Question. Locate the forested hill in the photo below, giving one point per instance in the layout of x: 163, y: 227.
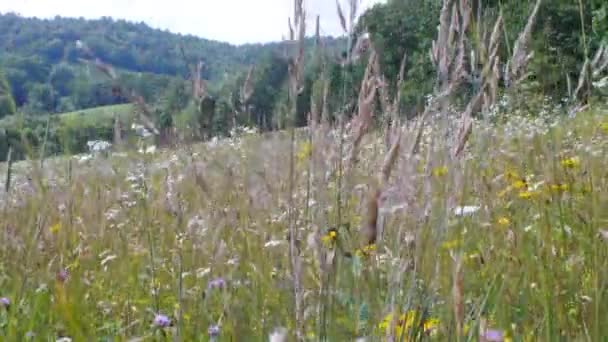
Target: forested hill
x: 40, y: 58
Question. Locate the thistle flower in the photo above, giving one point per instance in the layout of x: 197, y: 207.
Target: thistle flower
x: 493, y: 335
x: 218, y: 283
x: 63, y: 275
x: 214, y: 331
x: 5, y: 302
x: 161, y: 321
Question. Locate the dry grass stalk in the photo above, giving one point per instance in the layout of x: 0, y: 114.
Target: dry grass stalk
x: 144, y: 112
x: 458, y: 294
x: 521, y: 55
x: 341, y: 16
x: 247, y: 88
x: 295, y: 79
x: 590, y: 73
x: 363, y: 120
x: 117, y: 131
x: 487, y: 92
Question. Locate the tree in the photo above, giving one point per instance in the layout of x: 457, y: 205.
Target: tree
x: 41, y: 98
x: 7, y: 104
x: 62, y: 79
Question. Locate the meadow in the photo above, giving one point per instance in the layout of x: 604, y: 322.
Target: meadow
x: 193, y: 244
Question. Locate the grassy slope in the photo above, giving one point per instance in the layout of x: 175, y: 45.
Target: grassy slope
x: 533, y: 257
x: 102, y: 115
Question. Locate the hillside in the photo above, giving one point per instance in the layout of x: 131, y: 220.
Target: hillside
x: 40, y: 58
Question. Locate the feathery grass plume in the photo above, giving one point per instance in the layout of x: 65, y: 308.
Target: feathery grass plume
x: 363, y: 120
x: 486, y: 93
x: 9, y: 171
x: 246, y: 93
x: 341, y: 16
x: 295, y: 69
x: 518, y: 63
x: 117, y: 131
x: 590, y: 72
x: 144, y: 112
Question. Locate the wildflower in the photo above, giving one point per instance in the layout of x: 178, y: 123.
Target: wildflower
x: 408, y: 321
x: 504, y: 221
x: 520, y: 184
x: 305, y: 151
x: 571, y: 163
x: 278, y: 335
x: 452, y: 244
x: 330, y: 238
x: 214, y: 331
x: 511, y: 175
x: 218, y: 283
x: 525, y: 194
x: 466, y: 210
x: 273, y: 243
x: 63, y: 275
x: 440, y: 171
x: 431, y: 325
x: 604, y: 127
x: 493, y: 335
x: 559, y: 187
x: 604, y: 235
x: 54, y: 229
x: 5, y: 302
x: 161, y: 321
x: 366, y: 250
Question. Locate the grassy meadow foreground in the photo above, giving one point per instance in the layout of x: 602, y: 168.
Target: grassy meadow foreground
x: 193, y: 244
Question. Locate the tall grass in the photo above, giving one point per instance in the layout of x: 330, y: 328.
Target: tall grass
x: 462, y: 229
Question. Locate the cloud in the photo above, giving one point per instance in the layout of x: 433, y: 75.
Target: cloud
x: 235, y: 21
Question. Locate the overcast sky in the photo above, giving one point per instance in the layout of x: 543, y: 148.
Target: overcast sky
x: 234, y: 21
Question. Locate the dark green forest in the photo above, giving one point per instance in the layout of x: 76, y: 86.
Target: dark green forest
x: 44, y: 68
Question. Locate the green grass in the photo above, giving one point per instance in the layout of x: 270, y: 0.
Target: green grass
x: 146, y: 234
x: 103, y: 115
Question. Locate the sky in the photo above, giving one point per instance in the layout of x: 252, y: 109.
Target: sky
x: 234, y: 21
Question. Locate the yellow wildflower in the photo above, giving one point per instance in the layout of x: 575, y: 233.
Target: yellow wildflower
x: 511, y: 176
x: 560, y: 187
x: 520, y: 184
x: 504, y: 221
x: 366, y: 250
x: 330, y: 238
x: 452, y: 244
x: 571, y: 163
x: 431, y: 325
x: 305, y: 151
x: 407, y: 321
x: 604, y: 127
x: 55, y: 228
x: 440, y: 171
x: 525, y: 194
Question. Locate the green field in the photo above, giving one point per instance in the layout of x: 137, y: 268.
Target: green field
x: 198, y: 237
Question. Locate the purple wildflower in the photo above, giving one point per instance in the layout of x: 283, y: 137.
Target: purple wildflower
x: 5, y: 302
x: 493, y: 335
x: 162, y: 321
x: 214, y: 331
x: 62, y: 275
x: 218, y: 283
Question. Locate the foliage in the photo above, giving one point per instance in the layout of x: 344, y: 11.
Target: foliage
x: 7, y: 104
